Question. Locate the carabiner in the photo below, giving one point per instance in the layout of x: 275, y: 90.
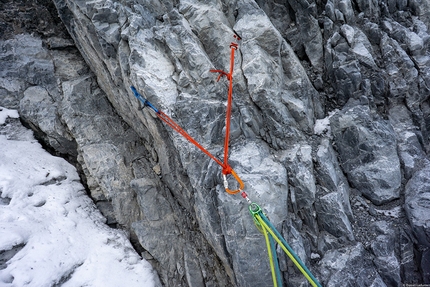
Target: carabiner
x: 241, y: 184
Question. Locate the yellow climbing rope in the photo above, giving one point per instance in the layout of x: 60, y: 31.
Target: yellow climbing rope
x: 263, y: 224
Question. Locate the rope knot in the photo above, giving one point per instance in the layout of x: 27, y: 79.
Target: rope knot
x: 226, y: 170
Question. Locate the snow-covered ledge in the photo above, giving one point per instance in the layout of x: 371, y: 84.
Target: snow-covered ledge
x: 50, y: 231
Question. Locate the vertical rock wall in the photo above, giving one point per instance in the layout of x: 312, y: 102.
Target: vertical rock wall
x: 330, y: 130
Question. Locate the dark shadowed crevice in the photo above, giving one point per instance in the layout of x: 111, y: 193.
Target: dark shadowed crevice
x: 6, y: 255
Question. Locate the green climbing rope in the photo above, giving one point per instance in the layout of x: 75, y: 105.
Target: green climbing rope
x: 263, y: 224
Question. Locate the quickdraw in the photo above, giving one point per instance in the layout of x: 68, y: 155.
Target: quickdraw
x: 226, y: 168
x: 261, y: 222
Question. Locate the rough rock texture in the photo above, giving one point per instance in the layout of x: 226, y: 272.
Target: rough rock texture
x: 337, y: 268
x: 367, y: 151
x: 330, y: 128
x: 417, y: 200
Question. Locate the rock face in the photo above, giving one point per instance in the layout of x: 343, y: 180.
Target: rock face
x: 417, y: 198
x: 368, y: 154
x: 329, y: 130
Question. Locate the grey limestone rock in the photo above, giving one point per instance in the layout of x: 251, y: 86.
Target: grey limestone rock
x: 367, y: 149
x: 332, y: 214
x: 383, y: 247
x: 425, y: 266
x: 330, y: 176
x: 38, y: 108
x: 409, y: 144
x: 359, y: 68
x: 416, y: 203
x: 302, y: 182
x: 340, y: 268
x: 25, y: 63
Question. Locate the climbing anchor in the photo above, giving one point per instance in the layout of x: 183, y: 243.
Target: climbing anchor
x: 260, y: 220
